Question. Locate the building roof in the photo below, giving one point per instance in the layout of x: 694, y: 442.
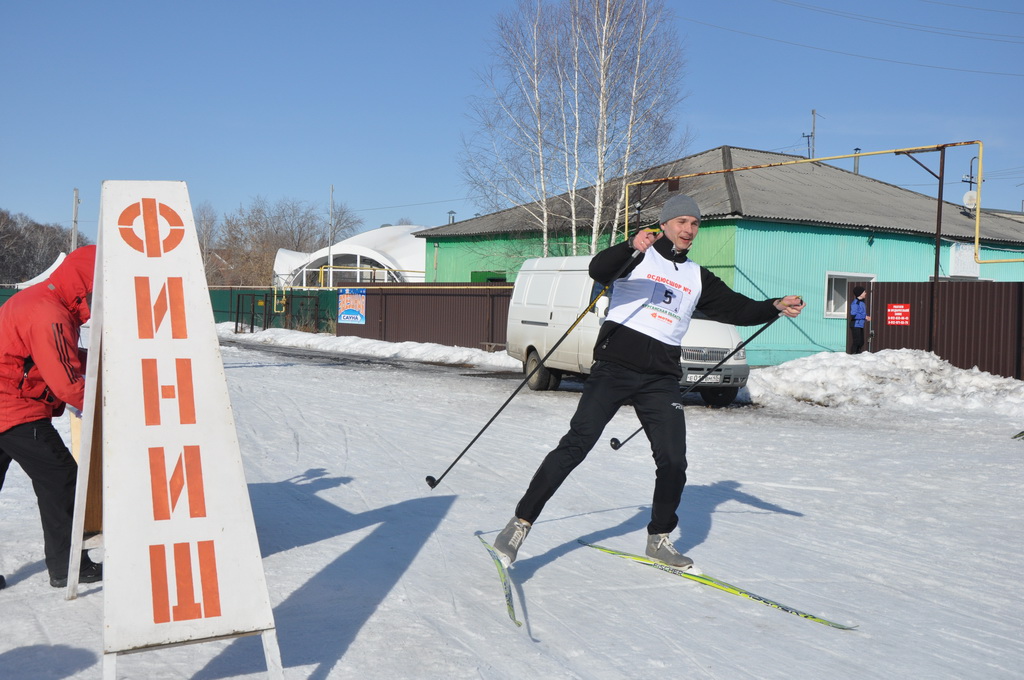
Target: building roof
x: 804, y: 193
x: 391, y: 246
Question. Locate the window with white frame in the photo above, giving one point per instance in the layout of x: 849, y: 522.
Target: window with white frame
x: 836, y: 285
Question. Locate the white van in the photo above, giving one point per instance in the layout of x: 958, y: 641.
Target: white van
x: 549, y: 295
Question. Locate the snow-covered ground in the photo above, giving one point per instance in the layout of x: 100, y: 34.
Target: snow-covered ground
x: 881, y: 490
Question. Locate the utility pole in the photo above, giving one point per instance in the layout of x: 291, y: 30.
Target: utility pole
x: 74, y: 222
x: 811, y: 137
x: 814, y: 127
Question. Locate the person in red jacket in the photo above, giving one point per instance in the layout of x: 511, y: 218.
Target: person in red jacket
x: 41, y: 370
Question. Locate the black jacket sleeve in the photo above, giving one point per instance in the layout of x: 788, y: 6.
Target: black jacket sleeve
x: 606, y: 263
x: 721, y: 303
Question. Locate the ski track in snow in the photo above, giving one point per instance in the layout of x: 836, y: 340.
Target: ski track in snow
x: 903, y: 520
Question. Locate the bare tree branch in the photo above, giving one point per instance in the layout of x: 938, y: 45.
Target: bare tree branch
x: 249, y: 239
x: 27, y: 247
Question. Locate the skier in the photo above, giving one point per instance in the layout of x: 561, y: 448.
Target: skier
x: 41, y: 370
x: 636, y: 359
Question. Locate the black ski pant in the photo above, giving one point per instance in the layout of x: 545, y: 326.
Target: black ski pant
x: 656, y: 400
x: 38, y: 448
x: 858, y: 340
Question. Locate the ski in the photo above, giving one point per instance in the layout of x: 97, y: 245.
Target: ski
x: 715, y: 583
x: 506, y: 582
x: 1019, y: 435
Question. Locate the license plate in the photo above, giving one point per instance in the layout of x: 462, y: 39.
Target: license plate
x: 694, y: 377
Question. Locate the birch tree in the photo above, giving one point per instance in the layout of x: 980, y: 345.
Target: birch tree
x: 581, y: 97
x: 207, y: 228
x: 507, y: 164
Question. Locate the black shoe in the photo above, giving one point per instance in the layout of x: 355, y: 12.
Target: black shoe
x: 3, y: 582
x: 89, y: 573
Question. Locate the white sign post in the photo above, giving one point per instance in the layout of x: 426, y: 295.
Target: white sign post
x: 181, y: 557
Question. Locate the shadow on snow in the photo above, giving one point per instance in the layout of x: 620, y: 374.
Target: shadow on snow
x: 699, y: 504
x: 318, y: 621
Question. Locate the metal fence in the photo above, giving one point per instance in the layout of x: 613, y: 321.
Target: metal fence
x: 967, y: 323
x: 459, y: 314
x: 298, y: 311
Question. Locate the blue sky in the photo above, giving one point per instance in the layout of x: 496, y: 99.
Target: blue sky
x: 282, y: 100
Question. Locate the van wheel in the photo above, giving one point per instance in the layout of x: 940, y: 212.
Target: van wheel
x: 555, y: 380
x: 543, y: 379
x: 719, y: 396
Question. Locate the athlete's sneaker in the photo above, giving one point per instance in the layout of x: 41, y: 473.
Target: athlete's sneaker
x: 511, y: 537
x: 661, y: 549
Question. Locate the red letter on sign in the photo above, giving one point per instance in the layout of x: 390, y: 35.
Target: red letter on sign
x: 187, y: 607
x: 188, y: 472
x: 151, y: 315
x: 153, y: 392
x: 158, y: 581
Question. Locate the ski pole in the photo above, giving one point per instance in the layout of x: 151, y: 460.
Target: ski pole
x: 434, y: 481
x: 616, y: 444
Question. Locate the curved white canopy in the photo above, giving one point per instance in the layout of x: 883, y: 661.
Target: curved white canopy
x: 393, y: 249
x: 45, y: 275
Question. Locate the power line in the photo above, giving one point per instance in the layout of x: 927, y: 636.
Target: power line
x: 413, y: 205
x: 859, y: 56
x: 799, y: 143
x: 940, y: 30
x: 1007, y: 173
x: 976, y: 9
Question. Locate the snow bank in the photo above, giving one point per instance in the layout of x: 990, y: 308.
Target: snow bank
x: 890, y: 378
x: 886, y: 379
x: 409, y: 351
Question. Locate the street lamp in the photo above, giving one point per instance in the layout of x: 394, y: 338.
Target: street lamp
x: 970, y: 178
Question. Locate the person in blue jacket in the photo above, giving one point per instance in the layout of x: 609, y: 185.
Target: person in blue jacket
x: 858, y: 315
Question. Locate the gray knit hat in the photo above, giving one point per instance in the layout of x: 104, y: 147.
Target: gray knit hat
x: 679, y: 205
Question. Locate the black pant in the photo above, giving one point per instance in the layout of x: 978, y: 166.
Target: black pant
x: 656, y: 399
x: 858, y: 340
x: 41, y: 453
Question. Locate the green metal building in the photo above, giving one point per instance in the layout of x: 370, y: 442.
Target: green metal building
x: 803, y: 228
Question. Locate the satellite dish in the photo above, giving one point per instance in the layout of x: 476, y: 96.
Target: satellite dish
x: 971, y: 200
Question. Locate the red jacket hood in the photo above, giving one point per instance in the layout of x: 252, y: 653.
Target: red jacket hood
x: 72, y: 281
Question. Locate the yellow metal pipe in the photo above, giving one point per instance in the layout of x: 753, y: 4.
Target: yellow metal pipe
x: 977, y: 220
x: 322, y: 268
x: 914, y: 149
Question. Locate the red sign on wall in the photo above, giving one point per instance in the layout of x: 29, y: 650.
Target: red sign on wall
x: 897, y: 315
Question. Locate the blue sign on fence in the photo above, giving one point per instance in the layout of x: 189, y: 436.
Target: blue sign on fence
x: 352, y: 305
